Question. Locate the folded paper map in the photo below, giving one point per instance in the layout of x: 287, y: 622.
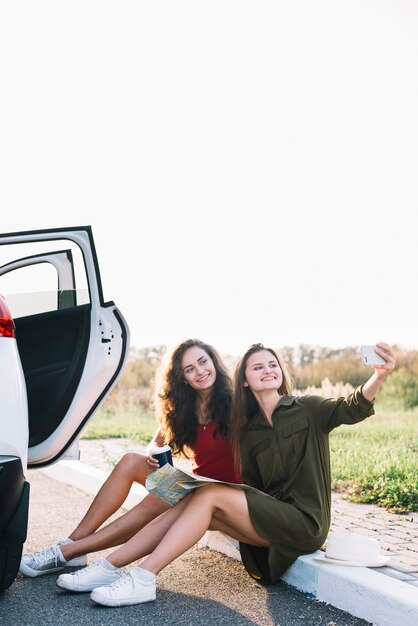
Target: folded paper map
x: 172, y: 484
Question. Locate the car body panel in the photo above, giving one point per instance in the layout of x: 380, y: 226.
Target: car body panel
x: 14, y: 434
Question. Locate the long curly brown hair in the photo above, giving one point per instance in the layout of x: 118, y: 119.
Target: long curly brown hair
x: 175, y: 402
x: 244, y: 404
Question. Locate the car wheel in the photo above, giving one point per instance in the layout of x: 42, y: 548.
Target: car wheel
x: 10, y: 557
x: 14, y: 522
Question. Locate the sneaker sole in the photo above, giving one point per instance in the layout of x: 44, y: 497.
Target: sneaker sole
x: 116, y: 603
x: 82, y: 588
x: 33, y: 573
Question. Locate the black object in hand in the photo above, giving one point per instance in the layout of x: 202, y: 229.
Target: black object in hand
x: 163, y: 455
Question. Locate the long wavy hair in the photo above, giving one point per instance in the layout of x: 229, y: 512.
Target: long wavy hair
x: 175, y: 402
x: 244, y: 404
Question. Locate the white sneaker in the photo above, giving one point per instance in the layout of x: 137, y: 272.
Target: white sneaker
x: 49, y: 560
x: 129, y: 589
x: 87, y: 579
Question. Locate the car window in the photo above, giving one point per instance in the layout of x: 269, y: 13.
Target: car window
x: 42, y: 277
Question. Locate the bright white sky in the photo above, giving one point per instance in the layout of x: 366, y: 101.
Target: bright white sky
x: 249, y: 168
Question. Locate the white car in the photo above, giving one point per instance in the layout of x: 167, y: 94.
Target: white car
x: 62, y: 349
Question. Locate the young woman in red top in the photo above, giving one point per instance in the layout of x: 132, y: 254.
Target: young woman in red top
x: 193, y: 411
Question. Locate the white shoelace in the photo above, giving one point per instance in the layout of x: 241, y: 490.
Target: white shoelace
x: 43, y: 556
x: 123, y: 581
x: 87, y: 569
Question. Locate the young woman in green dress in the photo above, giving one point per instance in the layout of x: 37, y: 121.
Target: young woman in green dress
x: 282, y: 440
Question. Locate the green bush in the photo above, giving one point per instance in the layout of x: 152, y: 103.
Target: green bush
x: 400, y: 390
x: 394, y: 490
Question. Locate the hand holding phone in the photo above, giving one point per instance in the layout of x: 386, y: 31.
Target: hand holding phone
x: 369, y: 356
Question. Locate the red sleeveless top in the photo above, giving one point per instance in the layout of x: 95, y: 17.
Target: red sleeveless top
x: 213, y: 456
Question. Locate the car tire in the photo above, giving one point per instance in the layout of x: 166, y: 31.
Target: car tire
x: 10, y: 557
x: 13, y: 519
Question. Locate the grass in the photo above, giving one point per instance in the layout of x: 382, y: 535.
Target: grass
x: 128, y: 421
x: 372, y: 462
x: 376, y: 461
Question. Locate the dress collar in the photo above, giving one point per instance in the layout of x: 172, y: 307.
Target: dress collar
x: 285, y: 401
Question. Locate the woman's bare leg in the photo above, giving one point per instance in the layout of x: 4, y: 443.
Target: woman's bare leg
x: 222, y: 527
x: 131, y: 468
x: 120, y: 530
x: 175, y: 531
x: 148, y: 538
x: 230, y: 506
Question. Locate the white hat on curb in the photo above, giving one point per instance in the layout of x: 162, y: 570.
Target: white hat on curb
x: 344, y: 548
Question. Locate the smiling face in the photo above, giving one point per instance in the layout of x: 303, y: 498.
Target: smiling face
x: 263, y: 372
x: 198, y: 369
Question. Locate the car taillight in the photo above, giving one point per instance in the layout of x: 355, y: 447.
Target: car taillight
x: 7, y: 325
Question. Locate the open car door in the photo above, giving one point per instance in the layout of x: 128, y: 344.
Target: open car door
x: 72, y: 344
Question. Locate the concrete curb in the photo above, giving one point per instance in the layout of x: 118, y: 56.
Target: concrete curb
x: 361, y: 591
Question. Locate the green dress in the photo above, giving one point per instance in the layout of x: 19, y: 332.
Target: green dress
x: 291, y: 463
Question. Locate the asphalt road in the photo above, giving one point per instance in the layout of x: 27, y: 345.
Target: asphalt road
x: 201, y: 588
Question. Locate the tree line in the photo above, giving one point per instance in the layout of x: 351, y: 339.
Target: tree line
x: 309, y: 367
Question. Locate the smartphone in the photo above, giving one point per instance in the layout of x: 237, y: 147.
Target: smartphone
x: 369, y: 356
